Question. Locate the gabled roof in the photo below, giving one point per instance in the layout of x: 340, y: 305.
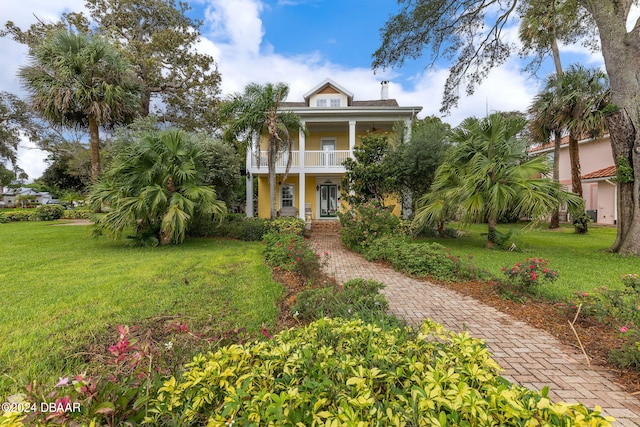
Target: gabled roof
x: 323, y: 85
x: 608, y: 172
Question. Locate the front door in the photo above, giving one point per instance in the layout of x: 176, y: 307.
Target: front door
x: 328, y: 201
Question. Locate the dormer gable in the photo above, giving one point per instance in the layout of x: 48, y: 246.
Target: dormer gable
x: 328, y: 94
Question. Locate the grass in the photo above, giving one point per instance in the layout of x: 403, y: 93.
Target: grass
x: 61, y: 290
x: 582, y: 261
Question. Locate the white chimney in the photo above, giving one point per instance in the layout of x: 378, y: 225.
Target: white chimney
x: 384, y: 90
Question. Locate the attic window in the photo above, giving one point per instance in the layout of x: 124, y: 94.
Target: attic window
x: 334, y: 102
x: 321, y: 102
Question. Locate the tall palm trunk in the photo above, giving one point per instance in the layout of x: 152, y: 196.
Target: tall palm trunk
x: 94, y: 143
x: 555, y: 216
x: 492, y: 222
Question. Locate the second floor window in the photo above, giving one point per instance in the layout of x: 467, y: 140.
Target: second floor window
x: 334, y: 102
x: 321, y: 102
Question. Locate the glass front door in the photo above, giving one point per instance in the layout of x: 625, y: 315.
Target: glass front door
x: 328, y: 201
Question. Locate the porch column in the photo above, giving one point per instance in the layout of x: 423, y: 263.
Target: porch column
x: 301, y: 194
x: 302, y: 175
x: 249, y: 177
x: 249, y: 206
x: 352, y: 137
x: 301, y: 146
x: 407, y: 126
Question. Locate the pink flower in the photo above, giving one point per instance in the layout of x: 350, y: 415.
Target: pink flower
x: 584, y: 294
x: 62, y: 382
x: 624, y: 329
x: 533, y: 277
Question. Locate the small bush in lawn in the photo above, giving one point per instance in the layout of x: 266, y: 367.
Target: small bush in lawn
x: 348, y: 372
x: 3, y: 219
x: 290, y: 252
x: 355, y: 298
x: 78, y: 213
x: 628, y: 356
x: 364, y: 223
x: 530, y: 273
x: 20, y: 215
x: 49, y: 212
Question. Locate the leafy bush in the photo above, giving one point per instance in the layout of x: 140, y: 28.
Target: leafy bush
x: 77, y: 214
x: 339, y: 372
x: 289, y: 225
x: 355, y: 298
x: 3, y: 219
x: 49, y: 212
x: 233, y: 226
x: 530, y: 273
x: 19, y: 215
x: 415, y: 259
x: 364, y: 223
x: 621, y: 309
x: 290, y: 252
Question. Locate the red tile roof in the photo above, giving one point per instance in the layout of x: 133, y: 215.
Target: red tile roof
x: 607, y: 172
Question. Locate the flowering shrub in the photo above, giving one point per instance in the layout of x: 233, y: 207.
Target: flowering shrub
x: 620, y: 308
x: 348, y: 372
x: 364, y: 223
x: 290, y: 252
x: 530, y: 273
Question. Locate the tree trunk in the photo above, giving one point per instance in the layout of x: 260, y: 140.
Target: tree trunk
x: 94, y: 143
x: 492, y: 221
x: 271, y: 158
x: 555, y: 216
x: 621, y: 52
x: 620, y: 125
x: 574, y: 160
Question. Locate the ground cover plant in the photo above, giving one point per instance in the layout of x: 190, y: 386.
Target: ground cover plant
x: 348, y: 372
x: 71, y: 292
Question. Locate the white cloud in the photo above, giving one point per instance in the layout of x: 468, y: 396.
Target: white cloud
x: 23, y: 13
x: 237, y: 21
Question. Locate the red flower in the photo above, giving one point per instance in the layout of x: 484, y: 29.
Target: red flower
x: 533, y: 277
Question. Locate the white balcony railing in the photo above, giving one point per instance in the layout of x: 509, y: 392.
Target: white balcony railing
x: 312, y: 159
x: 325, y: 158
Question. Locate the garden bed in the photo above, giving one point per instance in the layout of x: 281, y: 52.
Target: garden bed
x: 597, y: 338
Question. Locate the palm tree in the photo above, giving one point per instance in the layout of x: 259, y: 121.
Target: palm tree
x: 255, y: 113
x: 543, y: 124
x: 155, y: 186
x: 581, y: 92
x: 487, y: 174
x: 78, y: 80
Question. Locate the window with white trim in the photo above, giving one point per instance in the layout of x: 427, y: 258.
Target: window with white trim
x: 334, y: 102
x: 321, y: 102
x: 286, y: 196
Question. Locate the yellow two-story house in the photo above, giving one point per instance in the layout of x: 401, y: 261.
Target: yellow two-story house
x: 335, y: 123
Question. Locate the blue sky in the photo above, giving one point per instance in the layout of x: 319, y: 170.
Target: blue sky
x: 302, y: 42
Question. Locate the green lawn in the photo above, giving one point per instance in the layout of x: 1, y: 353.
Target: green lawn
x: 60, y: 289
x: 581, y: 260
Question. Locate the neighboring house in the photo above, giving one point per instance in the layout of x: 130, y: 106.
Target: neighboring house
x: 335, y: 124
x: 598, y: 175
x: 9, y: 196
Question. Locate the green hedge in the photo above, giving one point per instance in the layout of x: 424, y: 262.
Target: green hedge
x: 346, y: 372
x: 238, y: 226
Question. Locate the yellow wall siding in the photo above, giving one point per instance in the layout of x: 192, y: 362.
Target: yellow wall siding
x: 264, y: 209
x: 263, y: 197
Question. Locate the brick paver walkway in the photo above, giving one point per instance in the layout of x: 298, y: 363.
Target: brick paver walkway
x: 529, y: 356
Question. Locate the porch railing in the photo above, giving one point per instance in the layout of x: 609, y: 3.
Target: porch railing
x: 315, y: 159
